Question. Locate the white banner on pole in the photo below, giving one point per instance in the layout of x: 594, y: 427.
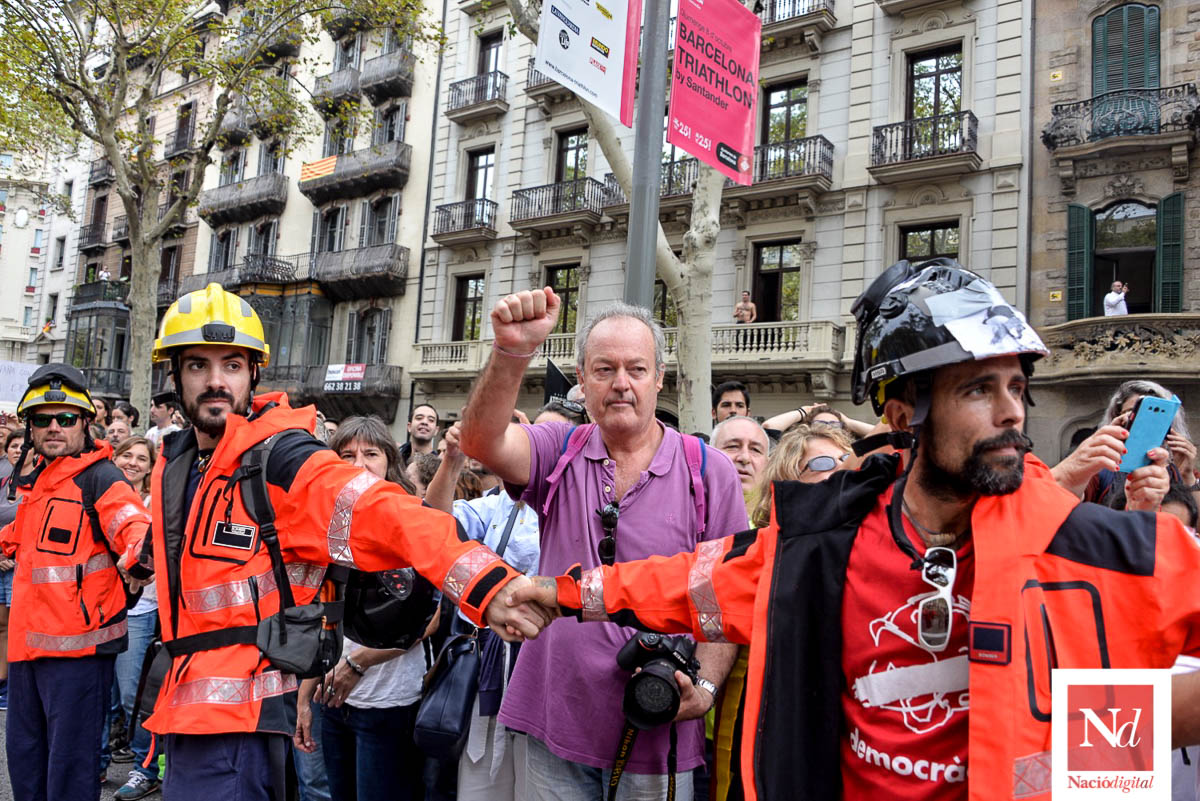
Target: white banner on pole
x: 590, y: 47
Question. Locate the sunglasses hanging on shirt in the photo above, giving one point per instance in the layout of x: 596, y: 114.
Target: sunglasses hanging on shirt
x: 608, y: 521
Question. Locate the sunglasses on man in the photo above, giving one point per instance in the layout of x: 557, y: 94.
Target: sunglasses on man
x: 64, y: 419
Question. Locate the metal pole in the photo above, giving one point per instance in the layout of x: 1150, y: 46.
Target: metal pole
x: 647, y: 156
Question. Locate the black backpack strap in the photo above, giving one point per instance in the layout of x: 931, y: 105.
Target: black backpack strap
x: 252, y: 478
x: 210, y: 640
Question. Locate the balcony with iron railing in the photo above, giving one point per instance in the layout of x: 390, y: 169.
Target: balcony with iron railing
x: 92, y: 236
x: 260, y: 196
x: 389, y: 75
x: 180, y: 140
x: 805, y: 20
x: 331, y: 92
x: 257, y: 268
x: 562, y: 204
x: 927, y: 147
x: 744, y: 349
x: 235, y: 128
x: 281, y: 41
x: 108, y: 381
x: 382, y: 166
x: 100, y: 292
x: 376, y: 393
x: 101, y: 172
x: 374, y: 271
x: 468, y: 222
x: 168, y: 291
x: 120, y: 229
x: 1156, y: 346
x: 1125, y: 120
x: 478, y: 97
x: 340, y: 19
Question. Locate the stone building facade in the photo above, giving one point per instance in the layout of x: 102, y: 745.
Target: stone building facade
x: 888, y: 129
x: 1115, y: 116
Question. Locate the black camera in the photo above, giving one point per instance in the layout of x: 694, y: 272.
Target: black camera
x: 652, y: 696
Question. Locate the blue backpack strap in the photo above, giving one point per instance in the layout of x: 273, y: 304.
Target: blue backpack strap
x: 697, y: 461
x: 573, y: 443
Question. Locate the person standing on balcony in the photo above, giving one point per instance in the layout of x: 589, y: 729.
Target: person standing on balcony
x: 104, y: 275
x: 1114, y: 301
x: 745, y: 311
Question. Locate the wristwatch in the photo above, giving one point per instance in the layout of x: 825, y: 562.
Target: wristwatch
x: 707, y: 685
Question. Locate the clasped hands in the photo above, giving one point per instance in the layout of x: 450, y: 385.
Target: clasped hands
x: 523, y: 607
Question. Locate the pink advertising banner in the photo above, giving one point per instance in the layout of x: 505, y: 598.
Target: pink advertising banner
x: 715, y: 88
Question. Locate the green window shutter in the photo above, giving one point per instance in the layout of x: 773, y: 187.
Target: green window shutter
x: 1168, y: 284
x: 1080, y: 226
x: 1135, y: 47
x: 1099, y: 56
x: 1152, y: 74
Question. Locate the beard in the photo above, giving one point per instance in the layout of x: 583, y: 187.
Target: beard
x: 977, y: 476
x: 209, y: 424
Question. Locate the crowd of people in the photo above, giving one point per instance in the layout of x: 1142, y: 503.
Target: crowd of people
x: 804, y: 558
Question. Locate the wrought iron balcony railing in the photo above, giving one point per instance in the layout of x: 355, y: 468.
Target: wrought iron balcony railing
x: 330, y: 91
x: 1124, y: 112
x: 168, y: 291
x: 812, y: 155
x: 91, y: 235
x: 582, y: 194
x: 478, y: 89
x: 120, y: 229
x: 382, y: 166
x: 464, y: 216
x: 924, y: 138
x: 536, y: 78
x: 179, y: 141
x: 101, y: 171
x: 389, y: 75
x: 95, y: 291
x: 780, y: 10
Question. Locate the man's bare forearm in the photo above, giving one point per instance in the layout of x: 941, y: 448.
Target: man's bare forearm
x: 716, y: 660
x: 489, y: 414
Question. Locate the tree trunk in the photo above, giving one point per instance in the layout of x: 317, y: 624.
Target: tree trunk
x: 143, y: 312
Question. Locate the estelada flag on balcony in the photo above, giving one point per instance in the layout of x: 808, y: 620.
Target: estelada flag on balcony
x: 714, y: 87
x: 315, y: 169
x: 591, y: 48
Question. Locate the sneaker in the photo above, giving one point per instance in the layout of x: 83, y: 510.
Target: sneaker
x: 123, y: 754
x: 139, y: 786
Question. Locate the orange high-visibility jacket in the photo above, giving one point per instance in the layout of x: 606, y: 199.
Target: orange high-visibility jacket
x: 1073, y: 585
x: 214, y: 573
x: 68, y: 599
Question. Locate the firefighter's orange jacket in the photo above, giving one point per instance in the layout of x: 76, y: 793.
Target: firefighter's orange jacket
x: 213, y: 572
x: 1077, y: 585
x: 68, y: 599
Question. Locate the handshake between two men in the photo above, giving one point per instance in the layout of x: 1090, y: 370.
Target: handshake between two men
x: 524, y: 607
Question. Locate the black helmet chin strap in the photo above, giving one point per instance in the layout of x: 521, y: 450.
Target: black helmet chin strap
x: 924, y: 391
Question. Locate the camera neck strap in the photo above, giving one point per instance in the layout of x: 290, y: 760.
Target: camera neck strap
x: 625, y: 749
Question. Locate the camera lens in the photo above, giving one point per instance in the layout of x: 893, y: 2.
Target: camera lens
x: 652, y: 696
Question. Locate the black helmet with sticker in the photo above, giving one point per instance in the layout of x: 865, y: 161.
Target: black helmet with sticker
x: 917, y: 318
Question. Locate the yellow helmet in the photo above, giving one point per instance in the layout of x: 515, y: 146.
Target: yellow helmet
x: 211, y: 316
x: 54, y: 384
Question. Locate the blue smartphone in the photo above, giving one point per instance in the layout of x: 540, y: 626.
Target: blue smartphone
x: 1152, y: 418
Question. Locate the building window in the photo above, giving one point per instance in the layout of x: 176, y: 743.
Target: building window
x: 99, y: 209
x: 367, y: 336
x: 91, y: 271
x: 934, y: 91
x: 27, y: 319
x: 31, y: 284
x: 928, y: 241
x: 224, y: 249
x: 345, y: 54
x: 564, y: 280
x: 489, y: 52
x: 183, y: 125
x: 3, y: 198
x: 270, y: 157
x: 60, y: 252
x: 98, y: 341
x: 6, y: 160
x: 233, y: 164
x: 389, y: 124
x: 168, y: 270
x: 777, y: 281
x: 571, y: 159
x: 393, y: 41
x: 262, y: 238
x: 126, y: 267
x: 378, y: 220
x: 481, y: 166
x: 52, y: 306
x: 1125, y: 49
x: 664, y: 306
x: 785, y: 116
x: 39, y: 236
x: 468, y: 307
x: 339, y: 137
x: 1138, y: 245
x: 329, y: 230
x: 178, y: 185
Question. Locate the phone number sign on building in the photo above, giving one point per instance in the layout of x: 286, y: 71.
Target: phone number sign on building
x: 344, y: 377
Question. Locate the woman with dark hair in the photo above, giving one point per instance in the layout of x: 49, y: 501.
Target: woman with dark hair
x: 370, y: 698
x: 101, y: 412
x: 124, y: 410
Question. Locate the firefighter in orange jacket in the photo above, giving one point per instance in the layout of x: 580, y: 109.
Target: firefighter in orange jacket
x: 78, y: 519
x: 227, y: 711
x: 899, y: 621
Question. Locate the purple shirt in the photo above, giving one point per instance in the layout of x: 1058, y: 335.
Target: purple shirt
x: 566, y: 689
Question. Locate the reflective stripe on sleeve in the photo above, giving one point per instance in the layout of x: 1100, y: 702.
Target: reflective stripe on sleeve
x: 124, y: 513
x: 75, y: 642
x: 464, y: 569
x: 343, y: 513
x: 63, y: 574
x: 238, y: 593
x: 1031, y: 775
x: 591, y: 595
x: 223, y: 690
x: 700, y: 589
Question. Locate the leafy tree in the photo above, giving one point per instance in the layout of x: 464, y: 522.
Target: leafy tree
x: 97, y: 73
